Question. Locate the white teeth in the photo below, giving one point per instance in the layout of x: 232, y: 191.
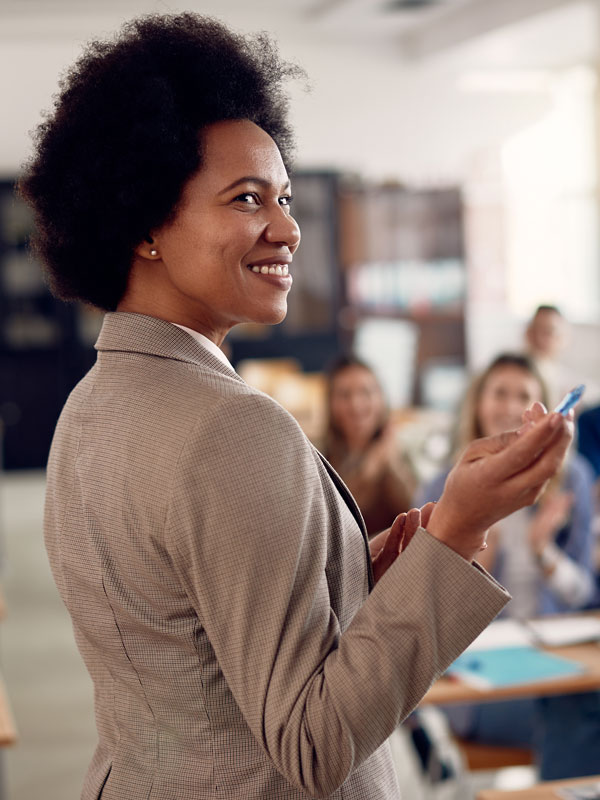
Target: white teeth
x: 273, y: 269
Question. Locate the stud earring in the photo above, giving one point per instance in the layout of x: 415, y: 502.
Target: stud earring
x: 153, y: 252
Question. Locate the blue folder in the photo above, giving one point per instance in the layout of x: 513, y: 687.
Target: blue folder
x: 508, y: 666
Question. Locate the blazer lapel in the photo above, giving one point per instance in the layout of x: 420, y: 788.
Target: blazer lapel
x: 354, y: 510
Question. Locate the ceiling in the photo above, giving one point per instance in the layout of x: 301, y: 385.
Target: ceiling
x: 563, y: 30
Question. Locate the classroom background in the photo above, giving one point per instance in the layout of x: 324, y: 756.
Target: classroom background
x: 446, y: 184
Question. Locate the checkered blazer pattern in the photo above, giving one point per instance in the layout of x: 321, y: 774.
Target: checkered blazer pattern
x: 216, y: 571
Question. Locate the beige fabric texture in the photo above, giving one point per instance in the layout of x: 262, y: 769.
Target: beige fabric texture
x: 216, y: 572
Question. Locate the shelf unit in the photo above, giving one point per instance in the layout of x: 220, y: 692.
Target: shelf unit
x: 44, y: 349
x: 402, y: 253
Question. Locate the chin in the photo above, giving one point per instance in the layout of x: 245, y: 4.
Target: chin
x: 271, y: 316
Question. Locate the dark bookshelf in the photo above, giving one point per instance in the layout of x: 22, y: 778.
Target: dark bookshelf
x: 46, y: 346
x: 402, y: 253
x: 43, y: 346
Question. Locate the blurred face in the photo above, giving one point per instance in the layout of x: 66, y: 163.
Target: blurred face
x: 507, y: 392
x: 226, y: 256
x: 356, y: 404
x: 546, y: 334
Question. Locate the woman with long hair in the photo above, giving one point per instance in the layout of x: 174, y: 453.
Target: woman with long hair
x: 543, y: 555
x: 361, y: 444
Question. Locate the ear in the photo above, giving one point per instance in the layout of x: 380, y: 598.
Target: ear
x: 148, y: 249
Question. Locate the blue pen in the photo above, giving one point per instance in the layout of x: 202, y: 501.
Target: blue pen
x: 570, y: 399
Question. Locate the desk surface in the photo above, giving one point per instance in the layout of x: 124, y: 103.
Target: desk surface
x: 447, y: 690
x: 542, y: 791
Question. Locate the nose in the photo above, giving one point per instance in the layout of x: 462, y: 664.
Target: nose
x: 282, y: 229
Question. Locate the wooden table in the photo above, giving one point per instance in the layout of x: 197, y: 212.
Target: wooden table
x: 541, y: 791
x: 447, y: 690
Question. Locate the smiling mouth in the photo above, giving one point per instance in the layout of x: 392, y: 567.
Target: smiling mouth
x: 270, y: 269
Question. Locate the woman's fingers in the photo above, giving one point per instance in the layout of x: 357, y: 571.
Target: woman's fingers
x: 426, y: 513
x: 541, y: 447
x: 390, y: 549
x: 535, y: 412
x: 393, y: 543
x: 413, y: 521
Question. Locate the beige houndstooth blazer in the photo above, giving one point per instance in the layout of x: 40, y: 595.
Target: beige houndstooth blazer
x: 216, y: 572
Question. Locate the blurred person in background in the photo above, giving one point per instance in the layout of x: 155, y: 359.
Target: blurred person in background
x: 543, y: 555
x: 362, y: 446
x: 546, y: 337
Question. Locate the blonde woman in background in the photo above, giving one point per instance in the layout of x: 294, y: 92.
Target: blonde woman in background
x: 361, y: 445
x: 543, y: 555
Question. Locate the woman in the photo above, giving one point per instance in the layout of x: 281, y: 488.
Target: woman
x: 543, y: 555
x: 215, y: 567
x: 361, y: 446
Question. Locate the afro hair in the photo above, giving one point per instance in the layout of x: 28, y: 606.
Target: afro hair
x: 124, y: 137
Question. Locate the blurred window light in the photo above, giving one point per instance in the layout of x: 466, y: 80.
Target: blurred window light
x: 550, y: 180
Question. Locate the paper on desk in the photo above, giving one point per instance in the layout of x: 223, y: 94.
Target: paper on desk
x: 509, y: 666
x: 558, y: 631
x: 590, y: 791
x: 502, y: 633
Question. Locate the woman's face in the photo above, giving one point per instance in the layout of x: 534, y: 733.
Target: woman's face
x: 506, y: 393
x: 356, y: 403
x: 226, y: 255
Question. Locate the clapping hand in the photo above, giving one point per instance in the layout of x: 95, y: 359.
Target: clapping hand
x: 387, y: 546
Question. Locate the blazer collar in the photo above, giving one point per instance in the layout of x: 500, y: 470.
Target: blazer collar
x: 137, y: 333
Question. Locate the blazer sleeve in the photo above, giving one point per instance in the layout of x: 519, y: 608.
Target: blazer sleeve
x: 250, y: 523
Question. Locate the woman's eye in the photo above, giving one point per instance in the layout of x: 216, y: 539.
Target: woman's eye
x: 286, y: 200
x: 248, y: 198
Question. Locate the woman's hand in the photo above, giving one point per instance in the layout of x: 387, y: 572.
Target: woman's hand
x: 498, y: 475
x: 387, y: 545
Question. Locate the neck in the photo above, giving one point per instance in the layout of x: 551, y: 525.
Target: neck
x: 146, y: 294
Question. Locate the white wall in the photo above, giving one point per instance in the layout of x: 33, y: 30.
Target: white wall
x: 369, y: 111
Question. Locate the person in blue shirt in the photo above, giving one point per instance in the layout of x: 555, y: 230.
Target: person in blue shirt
x: 588, y: 437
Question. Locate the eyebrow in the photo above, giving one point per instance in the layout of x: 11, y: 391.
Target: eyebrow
x: 252, y: 179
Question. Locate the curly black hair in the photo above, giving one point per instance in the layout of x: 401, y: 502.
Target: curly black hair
x: 124, y: 137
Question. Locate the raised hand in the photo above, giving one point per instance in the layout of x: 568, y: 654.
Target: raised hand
x: 498, y: 475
